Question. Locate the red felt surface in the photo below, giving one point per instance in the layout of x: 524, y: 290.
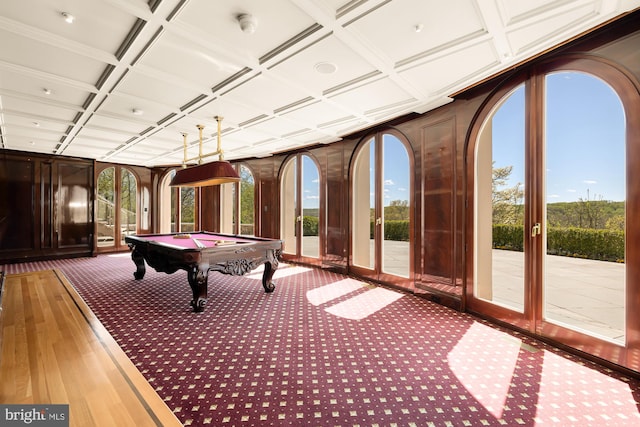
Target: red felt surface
x: 207, y: 239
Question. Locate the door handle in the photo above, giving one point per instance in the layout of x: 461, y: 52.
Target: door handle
x: 378, y: 221
x: 535, y: 230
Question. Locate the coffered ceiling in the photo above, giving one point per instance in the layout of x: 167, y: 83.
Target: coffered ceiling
x: 127, y: 78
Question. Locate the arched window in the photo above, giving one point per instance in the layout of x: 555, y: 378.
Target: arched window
x: 237, y: 204
x: 178, y: 213
x: 117, y: 207
x: 381, y: 206
x: 552, y: 182
x: 106, y: 208
x: 128, y: 204
x: 300, y: 208
x: 245, y: 218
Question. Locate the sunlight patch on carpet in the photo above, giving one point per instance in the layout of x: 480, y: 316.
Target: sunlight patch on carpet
x: 365, y: 304
x: 283, y: 270
x: 333, y: 290
x: 580, y: 392
x: 485, y: 363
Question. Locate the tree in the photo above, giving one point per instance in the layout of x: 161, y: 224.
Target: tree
x: 616, y: 222
x: 589, y: 212
x: 397, y: 210
x: 187, y: 205
x: 506, y: 202
x: 247, y: 191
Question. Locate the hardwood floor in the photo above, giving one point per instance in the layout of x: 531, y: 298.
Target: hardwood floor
x: 55, y: 351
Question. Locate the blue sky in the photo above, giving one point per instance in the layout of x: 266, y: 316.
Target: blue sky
x: 311, y: 184
x: 396, y: 174
x: 585, y: 147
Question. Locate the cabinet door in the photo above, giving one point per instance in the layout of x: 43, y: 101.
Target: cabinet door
x: 74, y: 224
x: 16, y: 205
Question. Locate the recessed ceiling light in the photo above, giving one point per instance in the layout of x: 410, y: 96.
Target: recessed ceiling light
x: 137, y: 112
x: 46, y: 91
x: 418, y: 27
x: 68, y: 18
x: 36, y: 124
x: 326, y: 67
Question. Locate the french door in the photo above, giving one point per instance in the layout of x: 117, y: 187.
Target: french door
x: 553, y: 249
x: 381, y: 209
x: 117, y: 207
x: 300, y: 209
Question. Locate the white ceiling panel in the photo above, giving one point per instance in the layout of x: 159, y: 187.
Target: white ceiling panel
x: 182, y: 62
x: 278, y: 21
x: 80, y: 149
x: 47, y: 58
x: 305, y: 68
x: 417, y: 27
x: 21, y: 120
x: 514, y: 12
x: 233, y: 113
x: 39, y: 111
x: 150, y: 88
x: 266, y: 93
x: 46, y: 90
x: 24, y: 143
x: 317, y: 114
x: 446, y: 74
x: 118, y: 124
x: 530, y: 34
x: 373, y: 96
x: 135, y: 107
x: 97, y: 24
x: 179, y: 57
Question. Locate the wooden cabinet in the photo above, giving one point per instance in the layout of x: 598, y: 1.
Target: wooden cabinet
x: 46, y: 207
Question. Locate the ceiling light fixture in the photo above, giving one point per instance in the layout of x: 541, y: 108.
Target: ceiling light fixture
x: 326, y: 67
x: 205, y: 174
x: 418, y: 28
x: 248, y: 23
x: 68, y: 18
x: 137, y: 112
x: 46, y: 91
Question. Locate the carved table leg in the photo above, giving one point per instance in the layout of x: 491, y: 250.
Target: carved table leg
x: 198, y: 278
x: 138, y: 260
x: 269, y: 268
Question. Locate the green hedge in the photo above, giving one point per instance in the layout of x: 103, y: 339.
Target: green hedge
x: 605, y: 245
x: 507, y: 237
x: 396, y: 230
x: 393, y: 230
x: 309, y: 226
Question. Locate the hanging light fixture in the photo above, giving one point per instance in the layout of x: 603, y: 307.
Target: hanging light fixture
x: 205, y: 174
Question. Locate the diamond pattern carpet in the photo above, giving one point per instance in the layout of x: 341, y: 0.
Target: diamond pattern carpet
x: 328, y: 350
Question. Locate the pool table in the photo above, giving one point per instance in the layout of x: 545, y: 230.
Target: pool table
x: 200, y: 252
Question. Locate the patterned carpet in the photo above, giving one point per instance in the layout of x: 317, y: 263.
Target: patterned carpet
x: 328, y: 350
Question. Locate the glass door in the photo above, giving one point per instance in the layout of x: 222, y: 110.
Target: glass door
x: 117, y: 207
x: 552, y: 239
x: 499, y: 219
x: 381, y: 210
x: 300, y: 209
x: 583, y: 287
